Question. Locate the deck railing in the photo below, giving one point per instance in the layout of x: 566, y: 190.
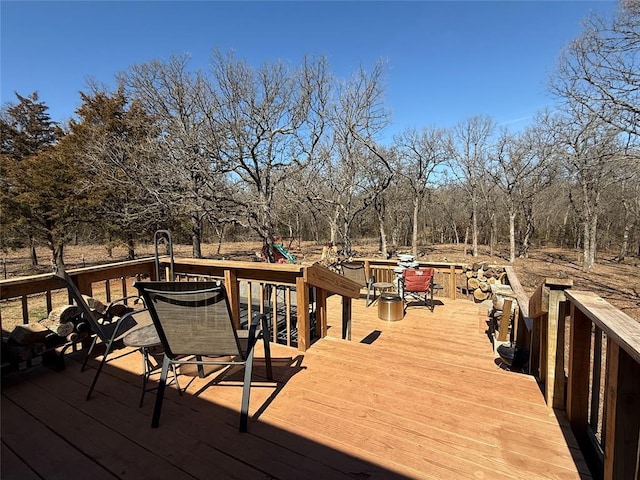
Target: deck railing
x: 585, y: 354
x: 293, y: 296
x: 445, y: 273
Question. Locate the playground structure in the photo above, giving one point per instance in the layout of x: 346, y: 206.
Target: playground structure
x: 280, y: 253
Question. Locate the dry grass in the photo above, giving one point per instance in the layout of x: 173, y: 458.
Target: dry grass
x: 618, y: 283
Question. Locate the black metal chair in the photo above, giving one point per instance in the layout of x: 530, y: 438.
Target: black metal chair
x: 108, y: 324
x: 195, y: 326
x: 356, y: 272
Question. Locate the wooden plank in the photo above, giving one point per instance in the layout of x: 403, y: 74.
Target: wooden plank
x: 452, y: 282
x: 29, y: 438
x: 554, y: 375
x: 505, y: 320
x: 321, y: 277
x: 233, y: 291
x: 578, y: 381
x: 622, y: 414
x: 621, y: 327
x: 14, y: 468
x: 518, y: 290
x: 411, y: 404
x: 321, y: 312
x: 302, y: 302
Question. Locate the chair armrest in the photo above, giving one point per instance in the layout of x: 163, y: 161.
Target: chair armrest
x: 121, y: 300
x: 123, y: 321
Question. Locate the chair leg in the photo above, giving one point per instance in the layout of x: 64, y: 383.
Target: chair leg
x: 246, y: 391
x: 86, y: 358
x: 267, y: 349
x: 155, y: 419
x: 102, y: 363
x: 146, y: 372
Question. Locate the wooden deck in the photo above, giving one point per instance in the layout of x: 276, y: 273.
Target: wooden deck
x: 421, y: 398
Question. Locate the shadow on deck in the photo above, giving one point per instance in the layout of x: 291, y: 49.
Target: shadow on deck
x: 418, y: 398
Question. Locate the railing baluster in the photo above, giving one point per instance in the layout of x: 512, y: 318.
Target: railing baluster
x: 47, y: 295
x: 25, y: 310
x: 287, y: 306
x: 594, y: 414
x: 274, y: 311
x: 249, y: 303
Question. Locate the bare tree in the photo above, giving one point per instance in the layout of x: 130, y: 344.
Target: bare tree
x: 594, y: 153
x: 268, y: 123
x: 420, y: 153
x: 599, y: 70
x: 354, y: 170
x: 469, y: 149
x: 520, y: 169
x: 189, y: 182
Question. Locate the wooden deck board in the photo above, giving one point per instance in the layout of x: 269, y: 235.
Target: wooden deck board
x: 424, y: 399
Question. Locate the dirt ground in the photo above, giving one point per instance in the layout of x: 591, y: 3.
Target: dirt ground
x: 618, y: 283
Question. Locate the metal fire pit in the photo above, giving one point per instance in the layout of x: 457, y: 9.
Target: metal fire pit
x: 390, y: 307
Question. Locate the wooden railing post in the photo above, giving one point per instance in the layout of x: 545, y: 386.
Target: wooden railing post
x: 548, y: 308
x: 346, y: 318
x: 578, y: 381
x: 452, y: 282
x: 233, y: 291
x: 554, y: 381
x: 622, y: 385
x: 321, y: 312
x: 302, y: 298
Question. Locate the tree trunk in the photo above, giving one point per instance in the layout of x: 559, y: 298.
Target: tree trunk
x: 379, y: 207
x: 512, y: 236
x: 624, y: 248
x: 474, y: 226
x: 220, y: 232
x: 196, y: 235
x: 131, y: 249
x: 494, y: 233
x: 32, y: 250
x: 414, y: 236
x: 466, y: 241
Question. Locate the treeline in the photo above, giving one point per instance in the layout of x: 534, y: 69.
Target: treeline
x: 280, y: 150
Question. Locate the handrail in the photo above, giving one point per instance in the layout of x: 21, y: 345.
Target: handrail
x: 277, y: 277
x: 620, y: 435
x: 617, y: 325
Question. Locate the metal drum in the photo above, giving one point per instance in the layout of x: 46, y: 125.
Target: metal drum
x: 390, y: 307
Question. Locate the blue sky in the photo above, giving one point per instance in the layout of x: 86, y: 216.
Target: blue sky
x: 446, y: 61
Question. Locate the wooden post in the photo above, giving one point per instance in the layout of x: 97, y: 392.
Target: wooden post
x: 321, y: 312
x: 505, y: 319
x: 452, y: 282
x: 346, y: 318
x: 548, y: 308
x: 367, y: 270
x: 622, y: 414
x: 302, y: 298
x: 578, y: 382
x: 233, y: 292
x: 554, y: 381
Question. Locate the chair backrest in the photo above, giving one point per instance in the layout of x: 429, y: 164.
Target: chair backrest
x: 418, y: 280
x: 192, y: 318
x: 355, y: 272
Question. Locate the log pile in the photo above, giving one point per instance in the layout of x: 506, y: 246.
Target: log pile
x: 480, y: 276
x: 67, y: 322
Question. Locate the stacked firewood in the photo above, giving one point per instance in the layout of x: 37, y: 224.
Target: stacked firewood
x: 67, y: 322
x: 480, y: 276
